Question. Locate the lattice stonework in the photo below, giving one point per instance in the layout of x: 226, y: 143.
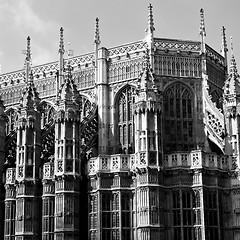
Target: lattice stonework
x: 137, y: 46
x: 125, y: 70
x: 177, y: 66
x: 169, y: 44
x: 215, y: 125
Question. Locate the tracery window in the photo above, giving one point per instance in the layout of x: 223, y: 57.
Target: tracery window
x: 183, y: 203
x: 47, y: 114
x: 116, y: 212
x: 93, y: 214
x: 211, y: 217
x: 85, y: 106
x: 178, y: 118
x: 12, y: 118
x: 125, y: 120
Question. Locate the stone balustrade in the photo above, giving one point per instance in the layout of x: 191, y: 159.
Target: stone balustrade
x: 10, y: 175
x: 127, y: 162
x: 196, y: 159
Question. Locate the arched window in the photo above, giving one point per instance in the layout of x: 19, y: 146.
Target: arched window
x: 47, y: 113
x: 178, y: 118
x: 125, y: 125
x: 11, y: 121
x: 85, y: 106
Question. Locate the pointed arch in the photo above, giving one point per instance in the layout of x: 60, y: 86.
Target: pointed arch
x: 47, y: 113
x: 124, y: 119
x: 178, y: 117
x: 11, y: 120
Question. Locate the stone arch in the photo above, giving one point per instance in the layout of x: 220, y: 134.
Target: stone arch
x: 11, y: 120
x: 124, y: 119
x: 178, y: 117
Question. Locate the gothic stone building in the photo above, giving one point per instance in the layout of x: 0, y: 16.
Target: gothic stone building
x: 136, y: 142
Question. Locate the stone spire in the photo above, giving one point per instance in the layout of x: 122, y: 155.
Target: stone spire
x: 232, y: 84
x: 202, y: 30
x: 97, y: 40
x: 30, y: 98
x: 61, y: 51
x: 150, y: 28
x: 28, y: 60
x: 61, y: 42
x: 233, y: 65
x: 149, y: 38
x: 224, y: 49
x: 147, y: 80
x: 68, y: 93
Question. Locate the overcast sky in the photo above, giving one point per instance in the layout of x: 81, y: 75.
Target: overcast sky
x: 121, y: 21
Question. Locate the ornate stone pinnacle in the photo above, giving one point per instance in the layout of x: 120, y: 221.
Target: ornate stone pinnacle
x: 233, y: 65
x: 30, y: 78
x: 97, y: 33
x: 202, y: 23
x: 224, y: 42
x: 150, y: 19
x: 61, y: 42
x: 28, y: 52
x: 147, y: 59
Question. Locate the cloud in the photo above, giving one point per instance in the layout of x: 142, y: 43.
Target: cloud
x: 20, y: 19
x: 42, y: 55
x: 24, y: 18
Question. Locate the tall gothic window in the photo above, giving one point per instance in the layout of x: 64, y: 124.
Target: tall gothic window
x: 125, y: 120
x: 211, y: 217
x: 116, y: 215
x: 47, y: 113
x: 184, y: 204
x: 178, y: 118
x: 11, y: 121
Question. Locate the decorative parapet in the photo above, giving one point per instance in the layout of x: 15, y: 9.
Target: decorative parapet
x: 198, y: 159
x: 213, y: 118
x: 111, y: 163
x: 10, y: 176
x: 177, y: 45
x: 122, y: 162
x: 46, y: 70
x: 127, y: 49
x: 130, y: 162
x: 48, y: 170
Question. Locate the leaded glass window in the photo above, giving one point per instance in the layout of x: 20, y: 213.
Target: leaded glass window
x: 12, y: 118
x: 47, y: 114
x: 125, y: 120
x: 178, y: 118
x: 211, y: 216
x: 116, y: 215
x: 183, y: 203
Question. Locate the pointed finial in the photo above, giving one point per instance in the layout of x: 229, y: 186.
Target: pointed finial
x: 224, y: 42
x: 150, y: 29
x: 233, y: 65
x: 97, y: 33
x: 28, y: 58
x: 30, y: 82
x: 147, y: 59
x: 202, y: 23
x: 61, y: 42
x: 28, y: 52
x: 231, y: 44
x: 224, y: 49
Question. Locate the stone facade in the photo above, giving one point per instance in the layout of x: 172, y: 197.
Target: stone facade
x: 139, y: 141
